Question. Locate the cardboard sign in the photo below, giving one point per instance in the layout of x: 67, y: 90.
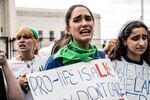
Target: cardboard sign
x: 135, y: 80
x: 94, y: 80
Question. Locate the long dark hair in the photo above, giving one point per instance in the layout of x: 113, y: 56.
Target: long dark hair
x: 120, y: 49
x: 66, y: 38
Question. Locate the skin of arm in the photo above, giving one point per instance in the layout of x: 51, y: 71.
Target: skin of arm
x: 13, y: 90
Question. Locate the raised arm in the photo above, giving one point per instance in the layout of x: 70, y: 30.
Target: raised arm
x: 13, y: 90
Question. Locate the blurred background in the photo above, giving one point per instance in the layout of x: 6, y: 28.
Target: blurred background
x: 47, y: 17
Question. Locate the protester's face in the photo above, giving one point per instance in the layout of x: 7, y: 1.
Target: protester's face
x: 81, y: 25
x: 112, y: 43
x: 137, y: 42
x: 25, y: 43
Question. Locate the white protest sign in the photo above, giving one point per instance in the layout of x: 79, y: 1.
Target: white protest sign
x: 94, y: 80
x: 135, y: 80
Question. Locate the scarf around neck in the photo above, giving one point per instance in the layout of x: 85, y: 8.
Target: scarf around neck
x: 72, y: 53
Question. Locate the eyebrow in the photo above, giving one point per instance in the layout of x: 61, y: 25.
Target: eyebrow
x: 138, y: 35
x: 81, y: 15
x: 77, y: 16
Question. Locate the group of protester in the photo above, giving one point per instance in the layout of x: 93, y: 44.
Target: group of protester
x: 132, y: 45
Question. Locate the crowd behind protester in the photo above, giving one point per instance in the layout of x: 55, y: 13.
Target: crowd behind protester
x: 28, y: 60
x: 109, y: 46
x: 46, y: 51
x: 133, y: 46
x: 12, y: 88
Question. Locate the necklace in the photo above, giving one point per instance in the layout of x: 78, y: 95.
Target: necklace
x: 29, y: 63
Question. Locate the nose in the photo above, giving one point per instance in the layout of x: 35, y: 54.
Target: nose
x: 142, y: 42
x: 84, y: 23
x: 22, y: 38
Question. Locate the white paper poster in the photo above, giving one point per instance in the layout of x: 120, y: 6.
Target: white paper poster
x: 94, y: 80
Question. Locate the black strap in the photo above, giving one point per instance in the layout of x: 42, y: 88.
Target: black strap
x: 2, y: 87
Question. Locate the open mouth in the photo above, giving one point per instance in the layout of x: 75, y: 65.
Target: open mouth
x: 22, y: 46
x: 85, y: 31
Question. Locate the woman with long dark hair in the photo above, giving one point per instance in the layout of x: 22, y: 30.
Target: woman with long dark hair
x: 80, y: 29
x: 133, y: 44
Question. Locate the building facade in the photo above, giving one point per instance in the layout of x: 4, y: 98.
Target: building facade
x: 49, y: 23
x: 7, y: 23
